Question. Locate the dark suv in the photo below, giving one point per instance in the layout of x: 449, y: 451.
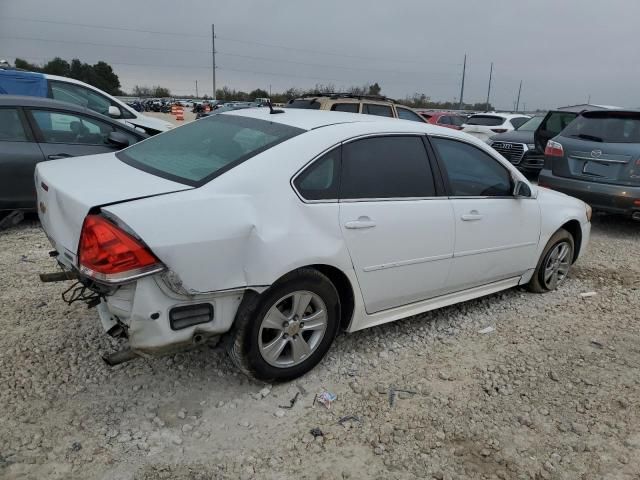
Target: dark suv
x: 518, y: 146
x: 596, y: 158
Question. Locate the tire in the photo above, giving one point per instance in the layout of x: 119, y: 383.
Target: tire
x: 267, y: 341
x: 540, y: 282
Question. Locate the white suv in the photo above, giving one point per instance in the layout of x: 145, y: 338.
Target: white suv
x: 486, y: 125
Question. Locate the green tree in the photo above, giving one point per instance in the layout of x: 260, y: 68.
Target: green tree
x: 160, y: 92
x: 57, y: 66
x: 24, y: 65
x: 258, y: 93
x: 104, y: 78
x: 375, y: 89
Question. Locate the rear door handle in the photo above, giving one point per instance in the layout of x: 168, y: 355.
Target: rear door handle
x: 362, y: 222
x: 472, y: 216
x: 58, y: 156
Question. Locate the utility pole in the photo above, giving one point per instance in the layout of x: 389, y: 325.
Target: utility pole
x: 489, y: 91
x: 213, y: 53
x: 518, y: 102
x: 197, y: 89
x: 589, y: 99
x: 269, y: 90
x: 464, y: 72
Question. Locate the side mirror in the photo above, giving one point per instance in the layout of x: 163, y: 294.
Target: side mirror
x: 118, y: 139
x: 114, y: 112
x: 521, y: 190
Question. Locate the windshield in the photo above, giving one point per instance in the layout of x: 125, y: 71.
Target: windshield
x: 202, y: 150
x: 531, y: 125
x: 609, y: 127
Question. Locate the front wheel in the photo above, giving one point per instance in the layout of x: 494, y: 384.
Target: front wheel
x: 286, y: 331
x: 554, y: 264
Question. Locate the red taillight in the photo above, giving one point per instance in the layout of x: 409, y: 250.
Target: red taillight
x: 499, y: 130
x: 554, y: 149
x: 108, y: 253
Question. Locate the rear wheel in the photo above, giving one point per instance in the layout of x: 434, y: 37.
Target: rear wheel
x: 286, y: 331
x: 554, y: 264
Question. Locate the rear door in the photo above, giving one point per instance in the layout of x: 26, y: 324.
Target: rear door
x: 496, y: 234
x: 552, y: 124
x: 601, y: 147
x: 399, y: 232
x: 63, y: 134
x: 18, y: 157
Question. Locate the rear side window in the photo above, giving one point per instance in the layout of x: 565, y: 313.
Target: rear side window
x: 319, y: 181
x: 11, y: 128
x: 472, y: 172
x: 346, y: 107
x: 485, y: 120
x: 312, y: 104
x: 386, y: 167
x: 406, y: 114
x: 379, y: 110
x: 85, y: 97
x: 606, y: 127
x: 202, y: 150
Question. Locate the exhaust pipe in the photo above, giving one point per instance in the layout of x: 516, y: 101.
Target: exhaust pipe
x: 121, y: 356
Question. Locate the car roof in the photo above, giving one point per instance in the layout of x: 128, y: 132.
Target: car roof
x: 313, y: 119
x: 41, y: 102
x: 585, y: 106
x: 507, y: 116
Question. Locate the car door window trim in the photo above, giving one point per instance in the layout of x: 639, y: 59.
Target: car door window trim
x: 440, y: 193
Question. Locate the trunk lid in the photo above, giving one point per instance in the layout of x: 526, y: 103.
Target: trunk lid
x: 68, y: 189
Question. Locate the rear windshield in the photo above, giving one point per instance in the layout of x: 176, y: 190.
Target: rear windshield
x: 457, y: 121
x: 613, y: 127
x: 205, y: 149
x: 312, y: 104
x: 485, y: 120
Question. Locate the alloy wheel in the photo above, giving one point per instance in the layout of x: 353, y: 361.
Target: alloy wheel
x: 557, y: 265
x: 292, y: 329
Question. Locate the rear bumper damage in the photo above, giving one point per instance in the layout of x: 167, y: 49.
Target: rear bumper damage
x: 154, y: 317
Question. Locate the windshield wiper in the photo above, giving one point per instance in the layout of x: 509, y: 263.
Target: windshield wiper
x: 584, y: 136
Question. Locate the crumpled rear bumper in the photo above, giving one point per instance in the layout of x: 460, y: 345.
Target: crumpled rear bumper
x: 146, y: 311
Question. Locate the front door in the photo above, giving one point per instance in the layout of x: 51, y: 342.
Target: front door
x: 400, y: 235
x: 18, y: 157
x: 496, y: 234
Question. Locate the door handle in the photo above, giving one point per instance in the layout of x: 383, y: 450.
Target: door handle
x: 58, y: 156
x: 362, y: 222
x: 472, y: 216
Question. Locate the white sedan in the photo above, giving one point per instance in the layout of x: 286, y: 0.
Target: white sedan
x: 280, y: 230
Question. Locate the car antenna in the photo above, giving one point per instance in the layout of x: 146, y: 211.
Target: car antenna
x: 273, y: 111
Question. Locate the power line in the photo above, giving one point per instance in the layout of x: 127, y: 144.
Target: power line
x: 236, y: 55
x: 249, y: 42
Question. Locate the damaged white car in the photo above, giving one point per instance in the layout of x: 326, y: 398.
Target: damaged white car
x: 279, y: 229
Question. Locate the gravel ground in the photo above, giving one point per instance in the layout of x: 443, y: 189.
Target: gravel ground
x: 552, y: 393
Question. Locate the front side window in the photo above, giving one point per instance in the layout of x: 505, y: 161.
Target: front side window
x: 557, y: 121
x: 320, y: 180
x: 472, y: 172
x: 203, y: 150
x: 11, y: 128
x: 58, y: 127
x: 406, y: 114
x: 386, y: 167
x: 346, y: 107
x: 530, y: 125
x: 376, y: 109
x: 444, y: 120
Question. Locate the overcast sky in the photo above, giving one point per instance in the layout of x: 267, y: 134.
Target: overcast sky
x: 563, y: 50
